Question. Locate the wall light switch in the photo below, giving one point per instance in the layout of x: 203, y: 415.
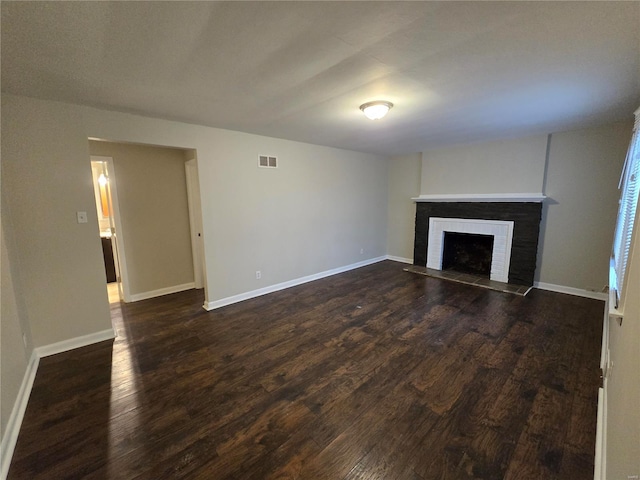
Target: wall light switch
x: 82, y: 217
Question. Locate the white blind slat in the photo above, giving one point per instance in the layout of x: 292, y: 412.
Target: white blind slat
x: 630, y: 186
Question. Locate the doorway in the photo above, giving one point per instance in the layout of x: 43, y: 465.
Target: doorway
x: 159, y: 222
x: 195, y: 221
x: 108, y: 213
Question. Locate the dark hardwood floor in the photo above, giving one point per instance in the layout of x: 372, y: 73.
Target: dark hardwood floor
x: 372, y: 374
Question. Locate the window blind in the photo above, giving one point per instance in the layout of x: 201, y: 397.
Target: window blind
x: 630, y: 189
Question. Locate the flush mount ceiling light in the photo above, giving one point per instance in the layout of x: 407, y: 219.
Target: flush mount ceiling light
x: 376, y: 110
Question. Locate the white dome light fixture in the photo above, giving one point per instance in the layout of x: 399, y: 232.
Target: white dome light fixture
x: 376, y: 110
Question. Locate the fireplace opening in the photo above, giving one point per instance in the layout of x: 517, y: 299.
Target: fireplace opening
x: 468, y: 253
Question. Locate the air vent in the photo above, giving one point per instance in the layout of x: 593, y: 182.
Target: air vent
x: 267, y: 161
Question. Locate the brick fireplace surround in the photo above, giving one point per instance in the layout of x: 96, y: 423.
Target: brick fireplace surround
x: 524, y: 210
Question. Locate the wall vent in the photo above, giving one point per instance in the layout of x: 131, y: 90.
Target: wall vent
x: 267, y: 161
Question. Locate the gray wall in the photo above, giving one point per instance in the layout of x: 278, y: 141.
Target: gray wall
x: 46, y: 179
x: 14, y: 354
x: 579, y: 218
x: 580, y: 177
x: 508, y: 166
x: 404, y: 184
x: 315, y: 212
x: 623, y: 384
x: 152, y: 193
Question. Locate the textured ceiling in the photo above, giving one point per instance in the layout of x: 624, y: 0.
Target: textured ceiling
x: 457, y: 72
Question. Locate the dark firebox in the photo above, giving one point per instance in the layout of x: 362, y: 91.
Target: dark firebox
x: 467, y: 253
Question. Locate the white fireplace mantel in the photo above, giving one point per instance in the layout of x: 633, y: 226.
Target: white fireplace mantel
x: 482, y: 197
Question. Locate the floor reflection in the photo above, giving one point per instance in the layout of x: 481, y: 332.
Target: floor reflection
x: 112, y: 290
x: 125, y: 426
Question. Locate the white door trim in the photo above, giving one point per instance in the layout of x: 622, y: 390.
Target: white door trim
x: 195, y: 222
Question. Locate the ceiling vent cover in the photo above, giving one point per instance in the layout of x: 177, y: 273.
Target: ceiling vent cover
x: 267, y: 161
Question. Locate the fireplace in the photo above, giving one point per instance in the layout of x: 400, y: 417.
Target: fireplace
x: 467, y: 253
x: 514, y: 227
x: 500, y: 232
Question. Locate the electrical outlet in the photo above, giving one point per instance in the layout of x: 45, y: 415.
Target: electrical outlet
x: 361, y: 251
x: 258, y: 274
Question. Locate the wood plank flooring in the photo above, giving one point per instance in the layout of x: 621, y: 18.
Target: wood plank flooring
x: 372, y: 374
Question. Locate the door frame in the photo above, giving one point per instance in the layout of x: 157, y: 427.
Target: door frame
x: 119, y: 256
x: 195, y: 222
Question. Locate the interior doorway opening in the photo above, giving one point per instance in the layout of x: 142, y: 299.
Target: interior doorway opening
x: 152, y: 219
x: 108, y: 224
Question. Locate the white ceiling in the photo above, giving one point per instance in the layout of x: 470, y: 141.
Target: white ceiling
x: 457, y: 72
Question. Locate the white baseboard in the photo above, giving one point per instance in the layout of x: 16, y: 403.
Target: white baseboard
x: 162, y: 291
x: 291, y: 283
x: 10, y: 436
x: 570, y: 290
x: 600, y: 460
x: 72, y: 343
x: 400, y: 259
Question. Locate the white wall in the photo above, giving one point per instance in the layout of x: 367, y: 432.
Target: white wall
x: 152, y: 195
x: 404, y: 184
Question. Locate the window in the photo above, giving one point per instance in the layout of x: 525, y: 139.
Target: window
x: 630, y: 188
